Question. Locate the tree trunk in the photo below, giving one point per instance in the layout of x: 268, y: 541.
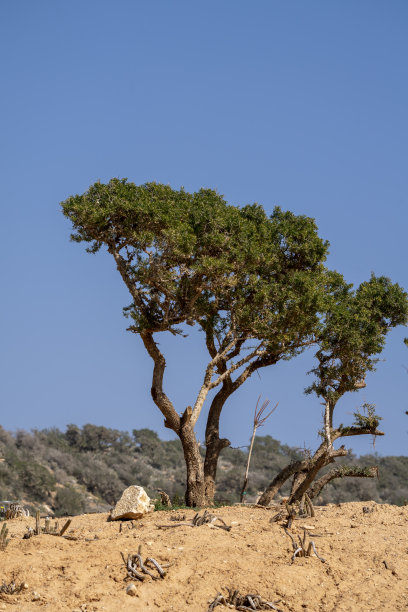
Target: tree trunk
x: 279, y: 480
x: 214, y: 444
x: 297, y: 480
x: 321, y: 458
x: 212, y: 454
x: 195, y: 492
x: 303, y: 472
x: 182, y: 426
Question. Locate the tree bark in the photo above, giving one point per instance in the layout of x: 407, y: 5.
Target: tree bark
x: 318, y: 462
x: 182, y: 426
x: 305, y: 471
x: 341, y: 472
x: 195, y: 491
x: 279, y: 480
x: 214, y: 444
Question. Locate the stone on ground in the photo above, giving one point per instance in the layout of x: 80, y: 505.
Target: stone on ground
x: 133, y: 504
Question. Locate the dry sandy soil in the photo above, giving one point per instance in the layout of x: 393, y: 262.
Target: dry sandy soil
x: 365, y: 568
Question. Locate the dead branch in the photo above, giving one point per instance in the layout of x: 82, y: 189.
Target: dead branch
x: 136, y: 568
x: 303, y: 549
x: 198, y: 520
x: 259, y: 421
x: 65, y: 527
x: 47, y: 529
x: 12, y: 588
x: 341, y: 472
x: 235, y: 600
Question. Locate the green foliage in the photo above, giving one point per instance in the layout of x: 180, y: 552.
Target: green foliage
x: 36, y: 479
x: 68, y: 502
x: 118, y: 469
x: 353, y: 332
x: 367, y: 419
x: 96, y: 438
x: 190, y: 258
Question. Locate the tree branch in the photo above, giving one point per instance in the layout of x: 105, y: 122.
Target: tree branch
x: 172, y: 419
x: 122, y: 267
x: 341, y: 472
x: 279, y: 480
x: 207, y: 384
x: 355, y: 431
x: 235, y: 366
x: 317, y: 463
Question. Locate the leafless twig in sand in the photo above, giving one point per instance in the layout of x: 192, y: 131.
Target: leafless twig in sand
x: 204, y: 519
x: 242, y: 602
x: 136, y: 568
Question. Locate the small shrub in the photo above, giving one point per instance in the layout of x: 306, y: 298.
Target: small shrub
x: 68, y: 502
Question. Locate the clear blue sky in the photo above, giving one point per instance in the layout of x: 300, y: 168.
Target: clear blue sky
x: 300, y: 104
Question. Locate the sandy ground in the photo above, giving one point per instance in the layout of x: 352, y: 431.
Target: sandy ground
x: 366, y: 562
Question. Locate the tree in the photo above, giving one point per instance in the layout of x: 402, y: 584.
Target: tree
x: 352, y: 334
x: 254, y: 285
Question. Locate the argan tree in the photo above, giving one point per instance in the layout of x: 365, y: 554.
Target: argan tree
x: 352, y: 335
x: 253, y: 284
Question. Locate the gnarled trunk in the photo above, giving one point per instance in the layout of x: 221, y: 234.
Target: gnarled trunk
x: 210, y: 466
x: 214, y: 444
x: 279, y: 480
x: 182, y: 426
x: 195, y: 493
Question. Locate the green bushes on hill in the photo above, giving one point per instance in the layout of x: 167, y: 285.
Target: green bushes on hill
x: 86, y: 469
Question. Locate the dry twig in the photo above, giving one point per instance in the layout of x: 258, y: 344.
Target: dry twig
x: 302, y: 549
x: 4, y: 540
x: 136, y: 568
x: 12, y: 588
x: 259, y: 420
x: 48, y: 530
x: 205, y: 519
x: 242, y: 602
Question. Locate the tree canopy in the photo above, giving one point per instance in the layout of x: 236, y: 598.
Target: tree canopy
x: 351, y: 335
x: 255, y: 285
x: 193, y: 258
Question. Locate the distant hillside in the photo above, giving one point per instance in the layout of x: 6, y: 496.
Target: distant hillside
x: 86, y: 469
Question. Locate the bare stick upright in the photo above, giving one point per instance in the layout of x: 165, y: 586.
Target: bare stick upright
x: 259, y: 420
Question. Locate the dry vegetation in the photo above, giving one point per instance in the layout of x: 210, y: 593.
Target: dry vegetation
x: 86, y: 470
x: 364, y: 546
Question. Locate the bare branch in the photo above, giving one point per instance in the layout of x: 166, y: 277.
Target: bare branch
x: 122, y: 266
x: 341, y: 472
x: 207, y: 384
x: 235, y: 366
x: 258, y: 422
x: 355, y: 431
x: 172, y: 419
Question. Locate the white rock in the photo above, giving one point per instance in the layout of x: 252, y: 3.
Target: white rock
x: 131, y: 590
x: 133, y: 504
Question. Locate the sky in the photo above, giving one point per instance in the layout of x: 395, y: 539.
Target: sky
x: 297, y: 104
